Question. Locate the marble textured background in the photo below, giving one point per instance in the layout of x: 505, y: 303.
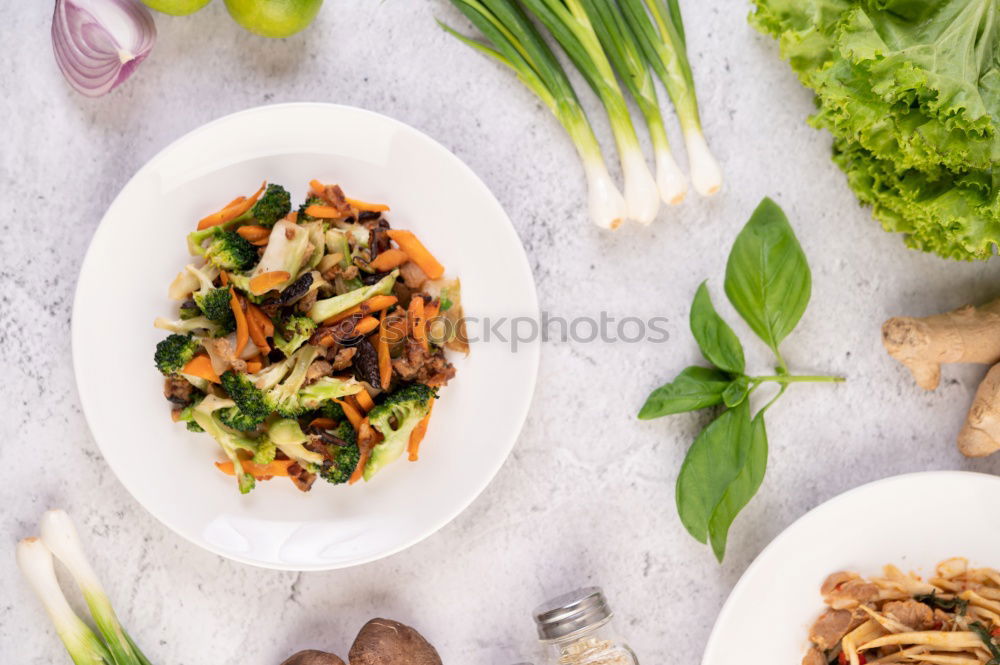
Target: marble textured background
x: 587, y: 496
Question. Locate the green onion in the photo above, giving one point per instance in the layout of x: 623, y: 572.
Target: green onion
x: 516, y: 43
x: 568, y: 22
x: 34, y: 558
x: 660, y: 33
x: 622, y: 49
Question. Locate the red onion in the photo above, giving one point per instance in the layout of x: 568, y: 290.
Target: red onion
x: 99, y: 43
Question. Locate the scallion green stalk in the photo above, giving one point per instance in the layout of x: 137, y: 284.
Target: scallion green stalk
x: 624, y: 53
x: 60, y: 537
x: 84, y: 647
x: 660, y: 33
x: 568, y: 22
x: 516, y: 43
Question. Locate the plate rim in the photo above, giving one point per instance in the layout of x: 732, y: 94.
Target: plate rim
x: 728, y: 607
x: 519, y: 416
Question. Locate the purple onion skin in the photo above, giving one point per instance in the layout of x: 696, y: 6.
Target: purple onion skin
x: 88, y: 54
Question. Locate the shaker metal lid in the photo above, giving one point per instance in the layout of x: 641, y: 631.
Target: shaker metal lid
x: 571, y: 612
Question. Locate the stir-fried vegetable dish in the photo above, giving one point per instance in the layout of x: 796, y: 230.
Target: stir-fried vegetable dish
x: 953, y: 618
x: 309, y: 342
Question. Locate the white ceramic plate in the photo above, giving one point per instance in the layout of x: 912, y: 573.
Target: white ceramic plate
x: 913, y: 521
x: 138, y: 249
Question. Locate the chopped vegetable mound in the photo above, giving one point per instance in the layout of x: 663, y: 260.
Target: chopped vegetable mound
x: 911, y: 93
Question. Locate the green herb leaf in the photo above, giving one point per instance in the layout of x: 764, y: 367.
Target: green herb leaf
x: 715, y: 481
x: 767, y: 276
x: 987, y: 638
x: 753, y: 452
x: 736, y: 391
x: 717, y: 341
x: 694, y: 388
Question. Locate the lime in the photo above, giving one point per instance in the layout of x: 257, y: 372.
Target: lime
x: 176, y: 7
x: 274, y: 18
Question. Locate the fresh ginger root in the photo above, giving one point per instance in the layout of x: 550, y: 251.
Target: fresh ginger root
x: 966, y: 335
x: 980, y: 436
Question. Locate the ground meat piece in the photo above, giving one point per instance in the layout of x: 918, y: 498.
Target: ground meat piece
x: 334, y: 195
x: 830, y: 628
x: 834, y: 580
x: 342, y: 360
x: 368, y: 437
x: 317, y: 370
x: 302, y: 478
x: 350, y: 272
x: 942, y: 620
x: 848, y: 595
x: 814, y: 657
x: 177, y: 390
x: 408, y: 364
x: 412, y: 275
x: 221, y: 348
x: 436, y: 371
x: 306, y: 302
x: 911, y: 613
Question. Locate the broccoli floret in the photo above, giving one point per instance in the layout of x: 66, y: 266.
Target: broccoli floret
x: 252, y: 402
x: 237, y: 419
x: 327, y: 388
x: 231, y: 442
x: 345, y: 460
x: 266, y: 452
x: 214, y: 303
x: 395, y: 419
x: 189, y: 310
x: 229, y: 250
x: 293, y: 333
x: 285, y: 396
x: 275, y: 204
x: 174, y: 352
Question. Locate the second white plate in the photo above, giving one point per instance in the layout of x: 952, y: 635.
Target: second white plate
x: 912, y: 521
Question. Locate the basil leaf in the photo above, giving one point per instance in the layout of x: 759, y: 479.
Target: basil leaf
x: 736, y: 391
x: 713, y: 463
x: 753, y: 454
x: 717, y: 341
x: 767, y: 275
x: 694, y: 388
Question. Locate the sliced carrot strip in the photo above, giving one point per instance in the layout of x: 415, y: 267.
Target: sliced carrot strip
x: 224, y: 278
x: 324, y: 212
x: 256, y: 332
x: 266, y: 324
x: 231, y: 211
x: 359, y: 470
x: 365, y: 400
x: 264, y: 282
x: 366, y: 325
x: 317, y: 187
x: 255, y: 235
x: 242, y: 329
x: 323, y: 423
x: 384, y: 359
x: 417, y: 435
x: 389, y: 259
x: 418, y: 320
x: 201, y: 366
x: 278, y: 467
x: 293, y: 216
x: 432, y: 310
x: 351, y: 412
x: 415, y: 249
x: 254, y: 366
x: 370, y: 306
x: 367, y: 207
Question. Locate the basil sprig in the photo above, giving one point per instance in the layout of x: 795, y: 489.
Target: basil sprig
x: 769, y: 283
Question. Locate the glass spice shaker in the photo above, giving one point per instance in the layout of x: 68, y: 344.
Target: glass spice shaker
x: 577, y: 627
